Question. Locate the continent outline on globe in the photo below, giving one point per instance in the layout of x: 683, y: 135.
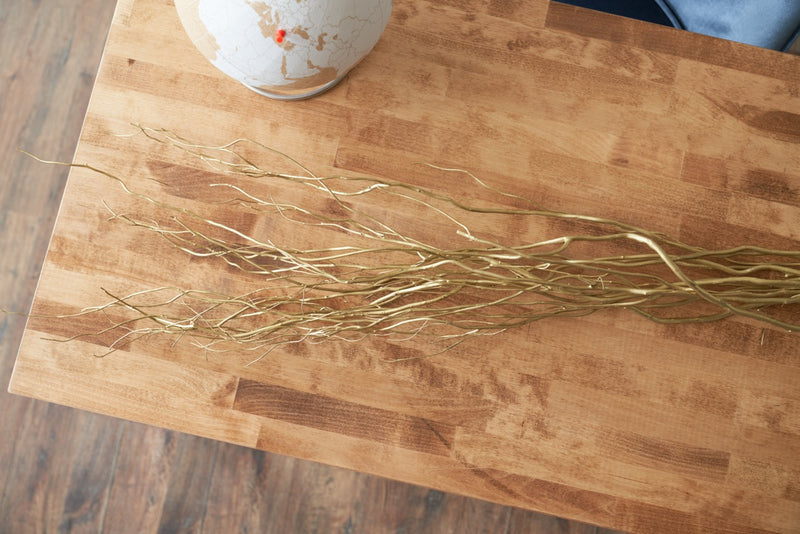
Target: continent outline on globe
x: 285, y: 48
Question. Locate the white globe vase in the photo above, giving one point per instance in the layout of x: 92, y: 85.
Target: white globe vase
x: 286, y: 49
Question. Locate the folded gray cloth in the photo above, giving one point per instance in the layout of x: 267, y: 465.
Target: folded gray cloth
x: 771, y: 24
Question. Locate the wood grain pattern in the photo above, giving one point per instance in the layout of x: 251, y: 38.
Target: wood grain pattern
x: 71, y: 471
x: 53, y: 461
x: 607, y: 419
x: 343, y: 417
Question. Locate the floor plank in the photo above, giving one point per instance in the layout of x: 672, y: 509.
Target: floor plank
x: 141, y: 479
x: 48, y: 56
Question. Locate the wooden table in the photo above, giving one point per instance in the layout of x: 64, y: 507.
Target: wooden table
x: 609, y: 418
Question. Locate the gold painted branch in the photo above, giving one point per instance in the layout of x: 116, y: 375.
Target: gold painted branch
x: 385, y: 281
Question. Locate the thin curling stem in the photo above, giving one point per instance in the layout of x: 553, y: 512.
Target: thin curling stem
x: 387, y: 282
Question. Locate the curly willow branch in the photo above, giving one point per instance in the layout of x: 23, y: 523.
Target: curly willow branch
x: 389, y: 283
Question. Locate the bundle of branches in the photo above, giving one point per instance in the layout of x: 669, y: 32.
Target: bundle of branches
x: 383, y: 281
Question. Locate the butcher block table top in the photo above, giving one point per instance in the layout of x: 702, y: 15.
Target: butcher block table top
x: 609, y: 418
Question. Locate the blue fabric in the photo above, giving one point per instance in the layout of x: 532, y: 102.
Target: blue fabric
x: 766, y: 23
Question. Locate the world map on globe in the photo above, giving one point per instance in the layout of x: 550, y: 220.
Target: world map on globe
x: 286, y: 46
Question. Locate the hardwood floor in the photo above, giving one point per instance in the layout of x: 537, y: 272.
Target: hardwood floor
x: 63, y: 470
